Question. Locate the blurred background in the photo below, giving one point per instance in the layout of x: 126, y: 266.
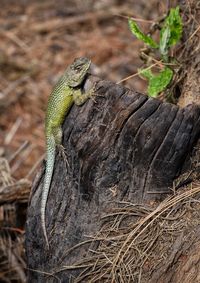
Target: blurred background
x: 38, y: 40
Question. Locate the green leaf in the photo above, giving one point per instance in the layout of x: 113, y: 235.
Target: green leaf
x: 171, y: 31
x: 157, y: 83
x: 140, y: 35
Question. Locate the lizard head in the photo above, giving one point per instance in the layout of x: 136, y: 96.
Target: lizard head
x: 77, y: 71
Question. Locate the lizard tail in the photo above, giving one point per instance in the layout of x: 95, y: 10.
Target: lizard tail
x: 50, y: 158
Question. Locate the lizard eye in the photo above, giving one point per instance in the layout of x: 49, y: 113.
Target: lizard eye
x: 79, y: 66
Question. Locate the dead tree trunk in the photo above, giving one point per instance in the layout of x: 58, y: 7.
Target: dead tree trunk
x: 120, y: 146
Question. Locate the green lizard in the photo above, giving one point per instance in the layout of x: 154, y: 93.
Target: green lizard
x: 66, y: 92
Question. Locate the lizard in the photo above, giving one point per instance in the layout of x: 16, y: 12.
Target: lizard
x: 67, y: 91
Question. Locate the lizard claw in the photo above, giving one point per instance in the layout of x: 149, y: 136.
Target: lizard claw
x: 62, y: 153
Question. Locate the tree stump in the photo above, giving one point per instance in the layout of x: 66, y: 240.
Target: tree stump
x: 120, y: 146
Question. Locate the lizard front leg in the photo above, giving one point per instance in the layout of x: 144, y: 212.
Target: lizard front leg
x: 80, y: 97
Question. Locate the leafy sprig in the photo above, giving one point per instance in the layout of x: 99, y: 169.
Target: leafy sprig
x: 170, y: 35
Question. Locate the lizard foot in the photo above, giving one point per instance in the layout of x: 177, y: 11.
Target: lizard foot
x: 62, y: 153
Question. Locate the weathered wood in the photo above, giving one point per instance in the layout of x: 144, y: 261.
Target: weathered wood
x: 120, y: 146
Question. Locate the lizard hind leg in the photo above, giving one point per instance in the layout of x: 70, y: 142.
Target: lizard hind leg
x: 57, y: 132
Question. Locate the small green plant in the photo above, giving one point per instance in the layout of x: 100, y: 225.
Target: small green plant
x: 169, y: 35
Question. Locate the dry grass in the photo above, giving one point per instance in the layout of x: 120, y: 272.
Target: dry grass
x: 12, y: 264
x: 134, y: 239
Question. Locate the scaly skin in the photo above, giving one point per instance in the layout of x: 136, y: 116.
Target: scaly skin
x: 66, y: 92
